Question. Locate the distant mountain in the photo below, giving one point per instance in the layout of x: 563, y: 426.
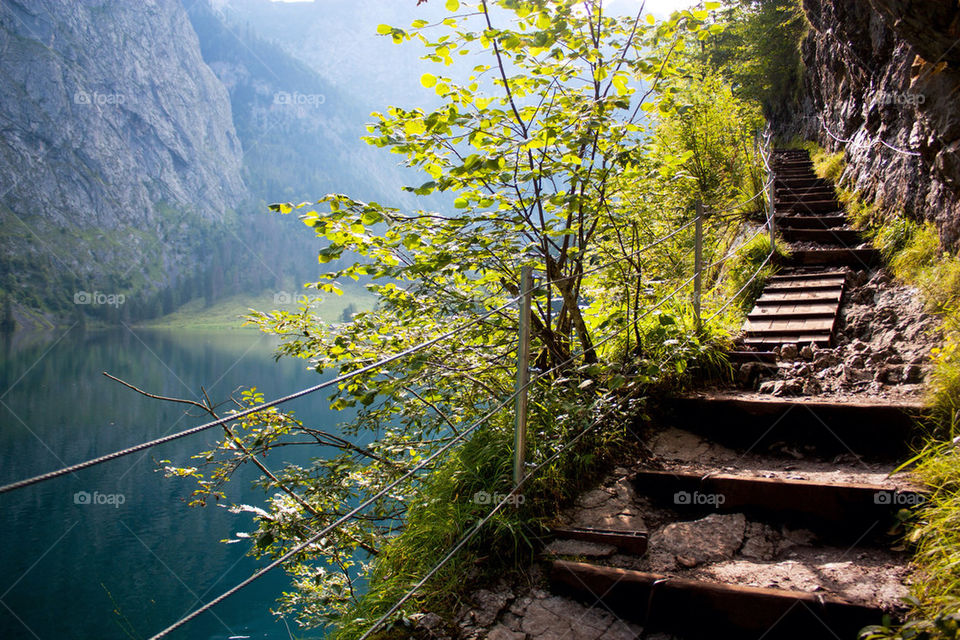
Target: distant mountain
x: 300, y: 133
x: 338, y: 40
x: 118, y: 154
x: 139, y: 145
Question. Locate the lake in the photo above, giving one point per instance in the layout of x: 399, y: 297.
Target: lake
x: 134, y: 557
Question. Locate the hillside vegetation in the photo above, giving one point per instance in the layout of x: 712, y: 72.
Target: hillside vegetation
x: 570, y: 140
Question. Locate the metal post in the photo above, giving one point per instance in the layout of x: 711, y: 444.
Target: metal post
x: 697, y: 264
x: 523, y: 376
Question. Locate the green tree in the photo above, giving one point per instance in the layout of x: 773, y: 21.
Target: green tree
x: 759, y: 52
x: 550, y: 151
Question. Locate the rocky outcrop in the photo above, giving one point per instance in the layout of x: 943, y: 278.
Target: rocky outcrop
x: 882, y: 81
x: 117, y: 141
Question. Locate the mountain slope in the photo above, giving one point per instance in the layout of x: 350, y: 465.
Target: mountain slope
x: 118, y: 154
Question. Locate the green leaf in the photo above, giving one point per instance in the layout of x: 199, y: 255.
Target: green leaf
x: 384, y: 29
x: 371, y: 217
x: 620, y: 84
x: 453, y: 5
x: 428, y: 80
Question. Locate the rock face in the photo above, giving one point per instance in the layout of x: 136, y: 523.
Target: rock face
x: 887, y: 72
x: 116, y: 136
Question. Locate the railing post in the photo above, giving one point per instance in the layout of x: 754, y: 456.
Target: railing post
x: 523, y: 376
x: 697, y: 264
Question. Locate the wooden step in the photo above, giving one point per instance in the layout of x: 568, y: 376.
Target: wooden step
x: 809, y: 222
x: 800, y: 182
x: 794, y: 311
x: 823, y: 340
x: 793, y: 195
x: 857, y: 258
x: 835, y: 427
x: 815, y: 193
x: 812, y: 206
x: 803, y: 174
x: 700, y: 609
x: 811, y: 275
x: 798, y: 297
x: 789, y: 326
x: 805, y: 284
x: 834, y: 509
x: 634, y: 542
x: 845, y: 237
x: 791, y: 199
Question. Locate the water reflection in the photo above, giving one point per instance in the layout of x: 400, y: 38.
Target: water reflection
x: 113, y: 551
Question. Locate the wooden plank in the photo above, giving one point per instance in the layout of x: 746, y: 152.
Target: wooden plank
x: 817, y: 206
x: 821, y: 340
x: 846, y: 237
x: 801, y: 296
x: 852, y: 505
x: 798, y: 307
x: 700, y: 609
x: 878, y: 430
x: 794, y: 312
x: 809, y: 222
x: 789, y: 325
x: 800, y: 275
x: 630, y: 541
x: 806, y: 284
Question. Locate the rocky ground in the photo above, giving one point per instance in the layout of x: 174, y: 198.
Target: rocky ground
x: 726, y: 548
x: 881, y: 348
x: 881, y: 352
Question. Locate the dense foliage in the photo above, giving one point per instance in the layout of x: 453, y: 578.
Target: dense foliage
x: 759, y: 52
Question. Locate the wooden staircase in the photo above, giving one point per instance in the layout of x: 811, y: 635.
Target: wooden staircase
x: 847, y: 496
x: 848, y: 517
x: 801, y: 304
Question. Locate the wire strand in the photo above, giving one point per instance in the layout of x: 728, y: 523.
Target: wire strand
x: 905, y: 152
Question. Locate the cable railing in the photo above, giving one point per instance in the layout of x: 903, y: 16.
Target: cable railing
x: 866, y: 144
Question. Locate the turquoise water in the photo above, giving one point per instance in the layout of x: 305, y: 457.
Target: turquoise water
x: 135, y: 557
